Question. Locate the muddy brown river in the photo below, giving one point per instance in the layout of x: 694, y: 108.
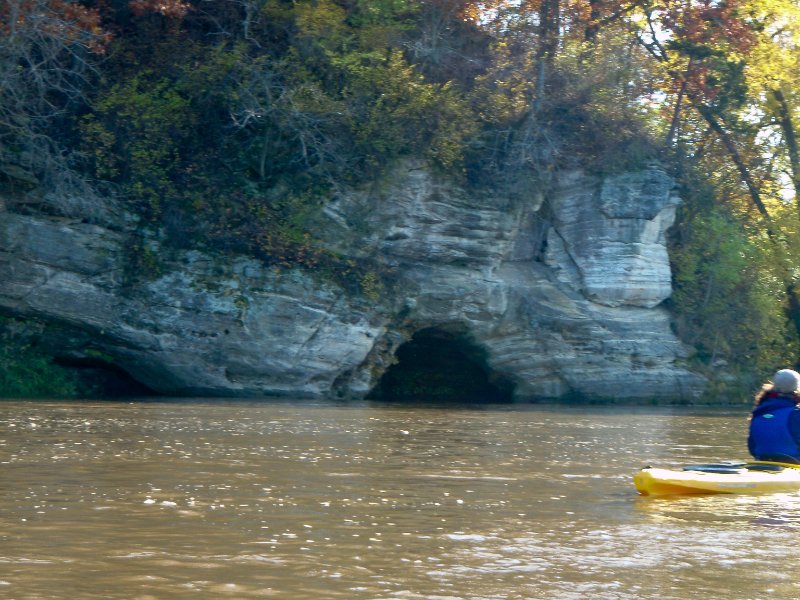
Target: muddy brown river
x: 210, y: 499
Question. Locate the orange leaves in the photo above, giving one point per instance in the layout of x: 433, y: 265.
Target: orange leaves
x: 712, y: 38
x: 710, y: 23
x: 66, y: 21
x: 71, y: 22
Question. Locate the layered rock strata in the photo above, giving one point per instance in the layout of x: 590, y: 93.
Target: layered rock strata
x: 561, y: 293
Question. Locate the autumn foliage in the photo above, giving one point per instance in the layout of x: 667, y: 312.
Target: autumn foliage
x: 229, y: 123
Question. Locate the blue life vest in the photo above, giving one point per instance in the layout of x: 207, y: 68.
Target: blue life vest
x: 770, y: 435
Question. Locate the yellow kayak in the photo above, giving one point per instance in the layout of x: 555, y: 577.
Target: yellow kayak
x: 723, y: 478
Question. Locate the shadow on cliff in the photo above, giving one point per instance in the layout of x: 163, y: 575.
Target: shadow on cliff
x: 440, y: 366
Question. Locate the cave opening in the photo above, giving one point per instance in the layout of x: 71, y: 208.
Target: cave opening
x: 439, y: 365
x: 99, y: 378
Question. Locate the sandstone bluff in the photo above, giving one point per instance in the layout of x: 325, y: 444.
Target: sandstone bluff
x: 561, y: 295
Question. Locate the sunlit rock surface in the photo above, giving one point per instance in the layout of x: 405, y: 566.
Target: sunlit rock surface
x: 607, y: 238
x: 561, y: 294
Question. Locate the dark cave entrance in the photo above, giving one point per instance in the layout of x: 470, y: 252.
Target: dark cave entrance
x: 98, y: 378
x: 439, y: 365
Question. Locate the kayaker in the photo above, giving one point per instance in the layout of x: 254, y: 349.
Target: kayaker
x: 775, y: 421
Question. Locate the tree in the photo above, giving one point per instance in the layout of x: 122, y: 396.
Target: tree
x: 730, y: 298
x: 774, y: 79
x: 48, y: 55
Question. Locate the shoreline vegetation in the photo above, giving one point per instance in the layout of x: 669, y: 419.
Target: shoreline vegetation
x: 225, y: 125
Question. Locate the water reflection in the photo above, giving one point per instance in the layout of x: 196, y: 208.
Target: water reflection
x: 781, y: 509
x: 238, y: 500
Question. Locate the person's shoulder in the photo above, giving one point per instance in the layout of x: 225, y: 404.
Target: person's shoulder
x: 773, y: 401
x: 765, y: 393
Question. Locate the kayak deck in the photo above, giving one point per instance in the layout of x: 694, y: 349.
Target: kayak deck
x: 750, y: 478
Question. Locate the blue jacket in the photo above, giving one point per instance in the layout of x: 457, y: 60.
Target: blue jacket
x: 775, y: 429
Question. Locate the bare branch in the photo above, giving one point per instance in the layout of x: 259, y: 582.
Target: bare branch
x: 48, y: 53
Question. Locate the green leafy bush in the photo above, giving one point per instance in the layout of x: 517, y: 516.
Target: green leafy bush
x: 26, y: 372
x: 397, y: 113
x: 138, y: 131
x: 730, y: 297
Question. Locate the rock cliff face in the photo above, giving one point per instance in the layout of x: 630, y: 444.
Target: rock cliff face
x: 560, y: 295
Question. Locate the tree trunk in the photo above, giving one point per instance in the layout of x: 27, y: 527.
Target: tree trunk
x: 733, y: 152
x: 676, y: 115
x: 549, y: 30
x: 784, y: 118
x: 593, y: 26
